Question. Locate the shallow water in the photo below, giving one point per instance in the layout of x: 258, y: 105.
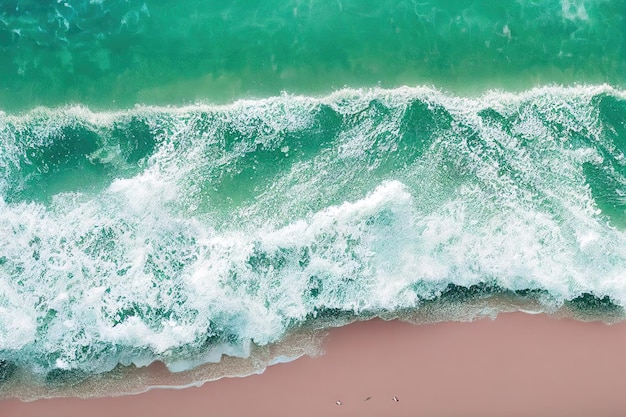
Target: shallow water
x: 116, y: 53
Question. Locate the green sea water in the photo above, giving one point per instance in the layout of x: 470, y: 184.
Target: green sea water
x: 116, y: 53
x: 185, y: 180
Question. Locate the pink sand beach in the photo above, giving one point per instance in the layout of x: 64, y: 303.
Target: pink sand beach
x: 516, y: 365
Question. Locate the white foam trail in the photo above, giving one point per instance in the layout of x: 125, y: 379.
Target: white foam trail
x: 153, y: 265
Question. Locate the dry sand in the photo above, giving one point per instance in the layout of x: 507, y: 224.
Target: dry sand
x: 516, y: 365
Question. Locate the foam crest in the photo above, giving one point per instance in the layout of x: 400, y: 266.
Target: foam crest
x: 186, y: 234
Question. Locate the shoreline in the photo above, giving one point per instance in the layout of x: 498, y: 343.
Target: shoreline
x: 516, y: 365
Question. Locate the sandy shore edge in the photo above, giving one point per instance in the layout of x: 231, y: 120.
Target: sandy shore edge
x: 516, y: 365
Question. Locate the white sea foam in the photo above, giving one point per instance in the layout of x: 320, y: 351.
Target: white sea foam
x: 163, y: 264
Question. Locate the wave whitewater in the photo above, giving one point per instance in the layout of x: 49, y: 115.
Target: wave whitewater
x: 181, y: 234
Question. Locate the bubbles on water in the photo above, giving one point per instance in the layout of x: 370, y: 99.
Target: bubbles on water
x: 574, y: 10
x: 219, y: 227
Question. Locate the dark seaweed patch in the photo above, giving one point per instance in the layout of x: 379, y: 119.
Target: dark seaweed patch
x: 457, y: 293
x: 334, y: 315
x: 65, y: 376
x: 7, y: 369
x: 590, y: 306
x: 586, y: 306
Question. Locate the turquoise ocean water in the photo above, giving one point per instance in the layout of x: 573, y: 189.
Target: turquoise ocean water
x: 185, y: 179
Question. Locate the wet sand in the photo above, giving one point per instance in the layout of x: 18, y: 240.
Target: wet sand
x: 516, y: 365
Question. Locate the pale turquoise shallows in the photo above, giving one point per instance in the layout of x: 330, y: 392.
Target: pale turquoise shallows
x: 115, y: 53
